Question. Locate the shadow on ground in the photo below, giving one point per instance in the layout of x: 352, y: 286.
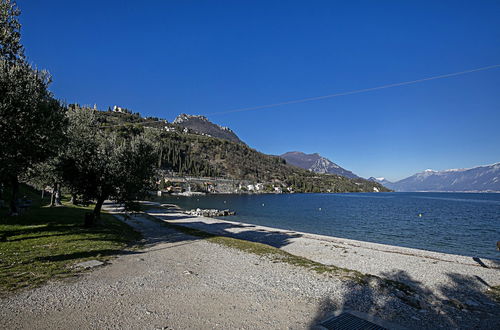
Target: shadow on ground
x: 276, y: 239
x: 85, y: 255
x: 460, y: 304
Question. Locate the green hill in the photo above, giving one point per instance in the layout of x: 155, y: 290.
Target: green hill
x: 187, y: 153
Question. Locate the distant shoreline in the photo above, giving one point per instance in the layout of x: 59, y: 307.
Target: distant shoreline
x: 194, y: 194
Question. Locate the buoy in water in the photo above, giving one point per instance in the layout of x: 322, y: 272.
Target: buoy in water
x: 420, y: 215
x: 262, y: 204
x: 319, y: 209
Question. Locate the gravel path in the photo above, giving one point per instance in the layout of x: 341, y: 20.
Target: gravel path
x: 181, y: 282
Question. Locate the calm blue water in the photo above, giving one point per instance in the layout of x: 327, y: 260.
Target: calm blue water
x: 458, y: 223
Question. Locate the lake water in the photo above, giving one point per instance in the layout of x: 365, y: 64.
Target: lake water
x: 457, y: 223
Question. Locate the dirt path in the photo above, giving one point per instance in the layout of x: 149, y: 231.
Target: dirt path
x: 181, y: 282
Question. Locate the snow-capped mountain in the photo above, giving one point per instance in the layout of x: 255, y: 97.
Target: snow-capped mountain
x: 316, y: 163
x: 480, y: 178
x: 382, y: 181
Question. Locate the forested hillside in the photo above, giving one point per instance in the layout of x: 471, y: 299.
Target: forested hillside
x: 186, y: 153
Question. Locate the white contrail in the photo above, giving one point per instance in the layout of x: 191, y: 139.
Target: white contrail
x: 357, y: 91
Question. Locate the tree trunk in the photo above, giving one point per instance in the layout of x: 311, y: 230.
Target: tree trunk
x: 97, y: 208
x: 58, y: 195
x: 13, y: 198
x: 53, y: 196
x: 74, y: 199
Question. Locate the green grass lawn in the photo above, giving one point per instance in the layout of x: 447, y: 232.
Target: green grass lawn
x: 43, y: 243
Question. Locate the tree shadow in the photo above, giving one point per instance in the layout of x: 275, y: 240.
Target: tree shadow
x: 45, y: 222
x: 85, y: 254
x: 170, y: 237
x: 492, y: 263
x: 37, y: 229
x: 480, y: 262
x: 275, y: 238
x: 487, y: 263
x: 154, y: 232
x: 396, y: 297
x: 36, y: 236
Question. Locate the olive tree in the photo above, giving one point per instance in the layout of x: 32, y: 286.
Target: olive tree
x: 48, y: 173
x: 31, y: 121
x: 100, y: 164
x: 11, y: 48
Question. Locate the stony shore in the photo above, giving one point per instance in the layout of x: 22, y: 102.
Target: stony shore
x: 180, y: 281
x: 431, y: 270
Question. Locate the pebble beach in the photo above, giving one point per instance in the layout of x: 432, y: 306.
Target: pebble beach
x: 180, y: 281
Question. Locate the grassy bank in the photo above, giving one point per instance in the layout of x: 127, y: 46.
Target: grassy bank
x: 44, y: 243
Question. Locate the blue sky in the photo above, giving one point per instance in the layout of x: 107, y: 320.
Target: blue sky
x: 162, y: 58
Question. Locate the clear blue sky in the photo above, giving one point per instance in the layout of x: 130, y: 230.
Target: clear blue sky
x: 162, y: 58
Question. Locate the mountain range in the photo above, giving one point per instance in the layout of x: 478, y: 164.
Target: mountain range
x: 382, y: 181
x: 480, y: 178
x: 316, y: 163
x: 193, y: 146
x: 312, y: 162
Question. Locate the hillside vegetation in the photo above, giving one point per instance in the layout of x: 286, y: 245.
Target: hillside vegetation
x: 186, y: 153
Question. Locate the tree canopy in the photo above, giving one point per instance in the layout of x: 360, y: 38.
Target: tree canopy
x: 101, y: 164
x: 95, y: 162
x: 31, y: 120
x: 11, y: 48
